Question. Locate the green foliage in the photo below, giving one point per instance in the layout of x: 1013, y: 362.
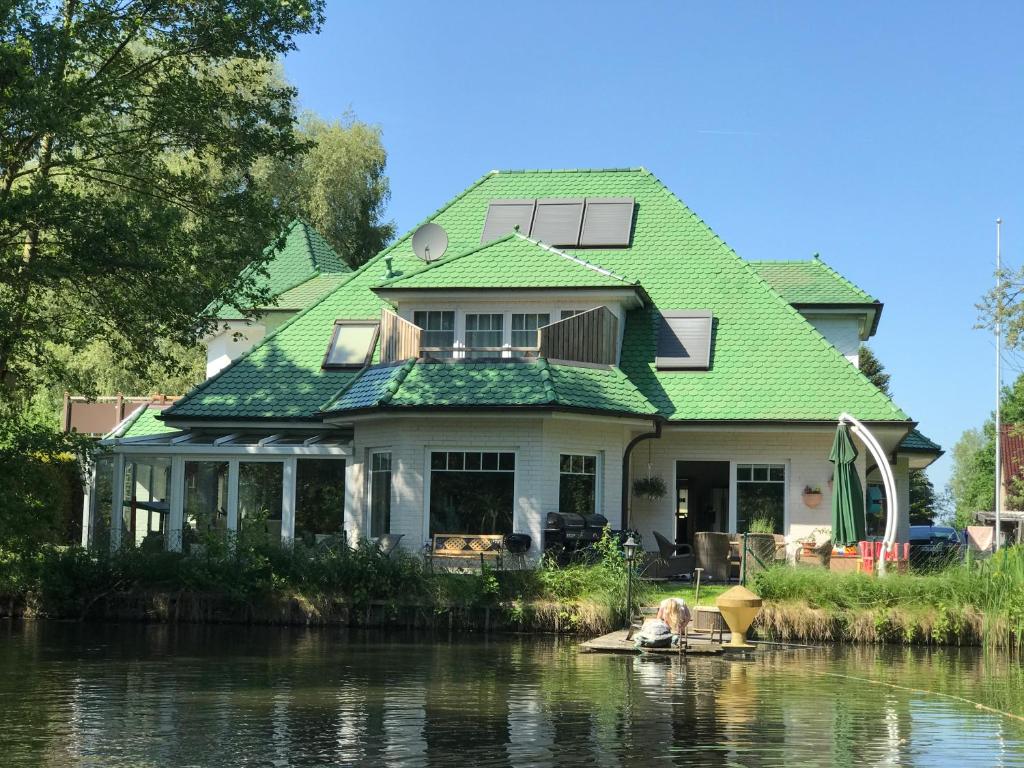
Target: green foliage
x: 872, y: 367
x: 130, y: 135
x: 652, y: 487
x: 922, y: 498
x: 338, y: 186
x: 993, y: 587
x: 761, y: 525
x: 38, y: 473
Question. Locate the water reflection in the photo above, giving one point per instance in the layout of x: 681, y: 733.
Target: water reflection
x: 134, y: 695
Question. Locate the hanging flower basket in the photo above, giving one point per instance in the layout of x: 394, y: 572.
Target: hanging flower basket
x: 812, y: 497
x: 652, y: 488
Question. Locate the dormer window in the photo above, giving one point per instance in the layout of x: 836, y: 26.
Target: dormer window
x: 438, y: 330
x: 351, y: 344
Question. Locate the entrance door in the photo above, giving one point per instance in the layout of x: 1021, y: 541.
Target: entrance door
x: 702, y: 498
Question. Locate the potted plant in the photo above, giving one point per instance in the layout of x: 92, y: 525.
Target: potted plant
x: 812, y: 496
x: 652, y: 487
x: 813, y: 540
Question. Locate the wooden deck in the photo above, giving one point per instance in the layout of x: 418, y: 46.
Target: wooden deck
x: 616, y: 642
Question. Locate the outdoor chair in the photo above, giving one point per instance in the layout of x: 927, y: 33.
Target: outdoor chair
x: 713, y: 554
x: 678, y: 560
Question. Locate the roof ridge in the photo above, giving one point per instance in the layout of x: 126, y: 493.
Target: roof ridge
x: 575, y: 259
x: 441, y: 261
x: 545, y: 380
x: 622, y: 169
x: 125, y: 424
x: 396, y: 383
x: 832, y: 271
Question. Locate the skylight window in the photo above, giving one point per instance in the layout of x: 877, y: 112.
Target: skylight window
x: 684, y: 340
x: 351, y: 344
x: 557, y: 221
x: 503, y: 216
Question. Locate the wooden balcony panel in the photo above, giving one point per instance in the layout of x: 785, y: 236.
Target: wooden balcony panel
x: 399, y: 339
x: 589, y: 337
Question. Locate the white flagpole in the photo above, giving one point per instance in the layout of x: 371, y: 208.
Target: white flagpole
x: 999, y: 380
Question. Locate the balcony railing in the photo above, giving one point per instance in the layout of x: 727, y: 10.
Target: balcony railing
x: 589, y: 337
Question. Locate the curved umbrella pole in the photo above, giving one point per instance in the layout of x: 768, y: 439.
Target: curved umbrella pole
x: 888, y: 481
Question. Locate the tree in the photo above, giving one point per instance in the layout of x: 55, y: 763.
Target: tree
x: 922, y: 493
x: 338, y: 186
x: 126, y: 153
x: 872, y: 367
x: 972, y: 481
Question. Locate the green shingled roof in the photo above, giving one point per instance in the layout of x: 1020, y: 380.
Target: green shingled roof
x: 142, y: 422
x: 768, y: 362
x: 918, y: 443
x: 299, y: 260
x: 512, y: 261
x: 810, y: 282
x: 505, y: 384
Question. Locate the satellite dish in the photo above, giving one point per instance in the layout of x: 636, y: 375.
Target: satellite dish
x: 429, y: 242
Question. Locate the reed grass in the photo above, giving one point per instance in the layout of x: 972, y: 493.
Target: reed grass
x: 979, y: 602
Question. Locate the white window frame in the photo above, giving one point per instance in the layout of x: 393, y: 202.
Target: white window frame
x: 598, y: 457
x: 517, y: 506
x: 370, y: 453
x: 734, y: 482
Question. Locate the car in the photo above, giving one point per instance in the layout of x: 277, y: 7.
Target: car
x: 935, y: 546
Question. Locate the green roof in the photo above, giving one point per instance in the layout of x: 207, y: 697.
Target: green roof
x: 142, y: 422
x: 491, y: 384
x: 512, y: 261
x: 768, y: 363
x: 811, y: 281
x: 916, y: 442
x: 300, y: 258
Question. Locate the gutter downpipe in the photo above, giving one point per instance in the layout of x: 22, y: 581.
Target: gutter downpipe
x: 888, y: 481
x: 626, y: 454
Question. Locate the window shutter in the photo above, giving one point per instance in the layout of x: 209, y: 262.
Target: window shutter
x: 684, y: 340
x: 504, y: 215
x: 557, y: 222
x: 607, y: 221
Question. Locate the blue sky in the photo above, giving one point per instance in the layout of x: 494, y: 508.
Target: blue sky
x: 886, y: 136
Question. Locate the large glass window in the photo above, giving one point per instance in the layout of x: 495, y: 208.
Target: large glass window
x: 260, y: 489
x: 577, y: 484
x: 524, y: 331
x: 438, y: 330
x: 472, y: 491
x: 760, y: 495
x: 319, y: 499
x: 206, y: 493
x: 380, y: 493
x: 567, y: 313
x: 351, y: 344
x: 147, y: 499
x: 484, y: 334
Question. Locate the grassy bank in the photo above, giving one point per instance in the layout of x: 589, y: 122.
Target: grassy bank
x: 256, y: 582
x: 978, y: 603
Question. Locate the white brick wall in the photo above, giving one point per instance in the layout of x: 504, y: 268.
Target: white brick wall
x: 804, y: 452
x: 841, y: 331
x: 537, y: 441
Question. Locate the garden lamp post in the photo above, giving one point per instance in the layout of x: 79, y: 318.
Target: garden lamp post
x: 629, y: 546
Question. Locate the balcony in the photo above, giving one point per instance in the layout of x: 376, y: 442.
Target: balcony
x: 589, y: 337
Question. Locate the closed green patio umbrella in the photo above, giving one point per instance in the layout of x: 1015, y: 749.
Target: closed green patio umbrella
x: 848, y: 526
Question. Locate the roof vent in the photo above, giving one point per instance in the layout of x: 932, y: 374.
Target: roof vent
x: 429, y: 242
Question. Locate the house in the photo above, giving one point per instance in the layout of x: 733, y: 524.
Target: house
x: 563, y: 334
x: 301, y: 268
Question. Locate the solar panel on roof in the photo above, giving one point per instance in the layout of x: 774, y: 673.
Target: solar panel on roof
x: 557, y: 221
x: 503, y: 216
x: 684, y: 340
x: 607, y: 221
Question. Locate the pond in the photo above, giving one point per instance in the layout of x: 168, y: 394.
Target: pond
x: 136, y: 695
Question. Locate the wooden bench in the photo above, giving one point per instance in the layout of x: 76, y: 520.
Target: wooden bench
x: 449, y: 546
